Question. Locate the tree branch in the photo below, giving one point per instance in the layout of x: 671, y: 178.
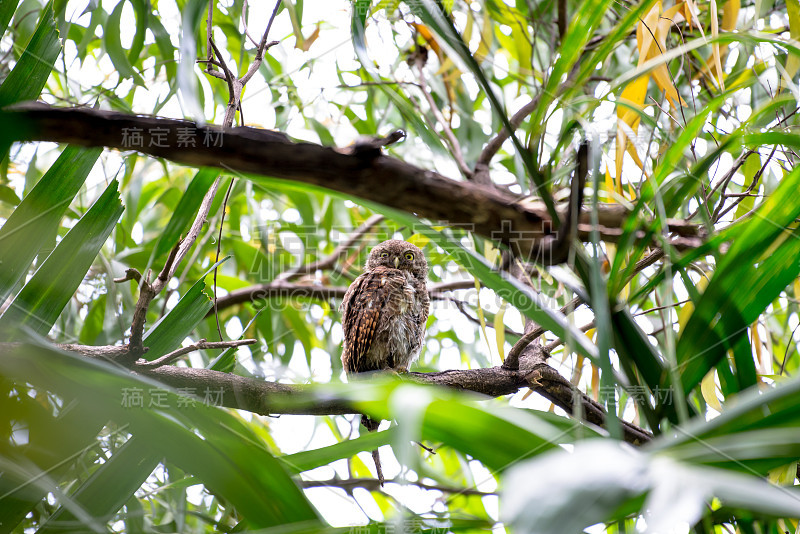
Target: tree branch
x: 518, y: 223
x: 272, y: 398
x: 282, y: 289
x: 372, y: 484
x: 200, y: 345
x: 341, y: 249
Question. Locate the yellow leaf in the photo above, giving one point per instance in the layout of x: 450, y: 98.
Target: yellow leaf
x: 708, y: 388
x: 500, y: 331
x: 426, y: 34
x: 633, y: 95
x: 306, y: 43
x: 661, y: 73
x: 792, y: 62
x: 784, y: 475
x: 419, y: 240
x: 481, y: 317
x: 486, y: 37
x: 715, y: 47
x: 609, y: 187
x: 595, y: 383
x: 730, y: 14
x: 688, y: 308
x: 645, y: 32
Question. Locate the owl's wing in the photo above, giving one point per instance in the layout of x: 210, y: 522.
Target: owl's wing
x: 364, y: 303
x: 422, y: 318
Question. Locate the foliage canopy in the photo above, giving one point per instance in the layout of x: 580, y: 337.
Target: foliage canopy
x: 669, y: 322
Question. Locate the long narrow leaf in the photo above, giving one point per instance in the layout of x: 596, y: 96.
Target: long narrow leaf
x: 39, y: 303
x: 36, y: 218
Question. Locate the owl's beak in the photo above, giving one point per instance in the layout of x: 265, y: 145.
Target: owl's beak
x: 396, y: 262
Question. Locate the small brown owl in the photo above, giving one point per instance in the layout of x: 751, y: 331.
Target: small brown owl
x: 384, y: 313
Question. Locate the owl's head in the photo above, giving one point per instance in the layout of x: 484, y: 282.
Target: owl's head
x: 397, y: 254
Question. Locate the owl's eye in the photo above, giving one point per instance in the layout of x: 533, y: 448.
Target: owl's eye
x: 409, y: 256
x: 384, y: 254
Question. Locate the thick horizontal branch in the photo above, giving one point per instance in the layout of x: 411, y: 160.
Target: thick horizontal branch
x: 272, y: 398
x: 490, y: 212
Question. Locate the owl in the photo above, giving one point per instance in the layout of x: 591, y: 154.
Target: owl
x: 385, y: 310
x: 384, y: 313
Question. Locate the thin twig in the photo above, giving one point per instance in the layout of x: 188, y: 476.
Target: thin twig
x: 244, y: 24
x: 200, y: 345
x: 216, y: 258
x: 262, y: 47
x: 372, y: 484
x: 493, y: 146
x: 330, y: 260
x: 451, y: 138
x: 512, y: 359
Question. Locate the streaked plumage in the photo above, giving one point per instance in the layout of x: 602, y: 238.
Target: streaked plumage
x: 384, y: 313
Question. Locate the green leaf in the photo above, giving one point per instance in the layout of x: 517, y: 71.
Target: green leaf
x: 307, y: 460
x: 94, y: 322
x: 226, y: 362
x: 54, y: 444
x: 109, y: 487
x: 358, y: 22
x: 219, y: 449
x: 724, y: 311
x: 111, y: 37
x: 433, y: 14
x: 9, y: 196
x: 168, y: 333
x: 7, y: 8
x: 39, y: 303
x: 187, y: 82
x: 36, y: 219
x: 775, y: 407
x: 26, y: 80
x: 142, y: 16
x: 185, y: 211
x: 165, y: 47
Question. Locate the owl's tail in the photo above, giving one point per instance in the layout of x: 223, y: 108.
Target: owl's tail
x: 372, y: 425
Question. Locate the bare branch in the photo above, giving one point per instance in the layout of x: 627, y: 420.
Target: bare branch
x: 382, y: 179
x: 262, y: 47
x: 200, y: 345
x: 451, y: 138
x: 186, y: 244
x: 531, y: 334
x: 342, y: 248
x: 372, y: 484
x: 281, y: 289
x: 493, y: 146
x: 271, y: 398
x: 130, y: 274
